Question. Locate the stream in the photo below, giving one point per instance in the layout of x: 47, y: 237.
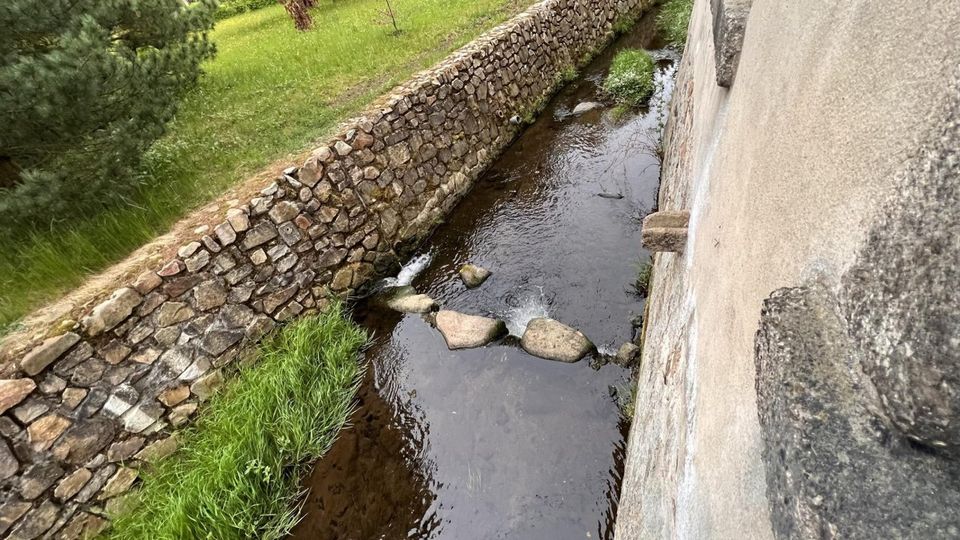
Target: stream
x: 492, y: 442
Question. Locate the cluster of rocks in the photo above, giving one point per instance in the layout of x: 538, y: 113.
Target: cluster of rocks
x: 543, y: 337
x: 85, y: 404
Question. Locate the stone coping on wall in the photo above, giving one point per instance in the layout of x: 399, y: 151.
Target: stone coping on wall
x: 88, y: 400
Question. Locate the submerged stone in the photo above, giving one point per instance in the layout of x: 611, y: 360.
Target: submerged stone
x: 462, y: 331
x: 473, y: 276
x: 553, y: 340
x: 586, y: 106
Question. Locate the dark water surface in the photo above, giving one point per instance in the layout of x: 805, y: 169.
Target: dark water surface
x: 494, y: 443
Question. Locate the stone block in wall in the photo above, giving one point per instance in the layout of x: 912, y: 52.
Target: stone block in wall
x: 729, y: 26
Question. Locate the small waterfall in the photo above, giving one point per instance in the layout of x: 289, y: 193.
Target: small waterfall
x: 408, y: 272
x: 529, y: 307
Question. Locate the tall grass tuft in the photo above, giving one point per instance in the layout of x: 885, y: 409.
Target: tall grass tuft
x: 673, y: 21
x: 630, y: 80
x: 641, y: 285
x: 238, y: 470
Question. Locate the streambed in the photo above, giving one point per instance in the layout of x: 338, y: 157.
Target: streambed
x: 492, y: 442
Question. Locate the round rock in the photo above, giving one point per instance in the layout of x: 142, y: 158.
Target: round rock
x: 554, y: 340
x: 473, y: 276
x: 412, y: 303
x: 462, y: 331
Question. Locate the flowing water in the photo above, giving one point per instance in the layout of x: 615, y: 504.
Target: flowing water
x: 492, y: 442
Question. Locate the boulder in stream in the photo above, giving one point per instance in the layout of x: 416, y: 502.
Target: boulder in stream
x: 412, y: 303
x: 473, y: 276
x: 586, y: 106
x: 628, y: 355
x: 554, y: 340
x: 462, y: 331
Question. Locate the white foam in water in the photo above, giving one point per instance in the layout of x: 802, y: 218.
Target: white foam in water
x: 607, y: 350
x: 409, y: 271
x: 530, y: 307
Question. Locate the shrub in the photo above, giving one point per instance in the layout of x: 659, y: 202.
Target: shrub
x: 237, y: 473
x: 87, y: 86
x: 229, y: 8
x: 673, y: 21
x: 630, y: 80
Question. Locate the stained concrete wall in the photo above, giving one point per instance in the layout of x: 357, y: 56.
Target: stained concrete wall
x: 85, y: 403
x: 783, y: 174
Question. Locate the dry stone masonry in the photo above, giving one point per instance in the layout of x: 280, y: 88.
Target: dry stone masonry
x: 84, y: 405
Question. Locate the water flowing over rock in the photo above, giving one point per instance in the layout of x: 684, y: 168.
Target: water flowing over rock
x: 462, y: 331
x: 554, y: 340
x: 473, y: 276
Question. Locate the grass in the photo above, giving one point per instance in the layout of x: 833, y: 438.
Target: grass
x: 627, y: 399
x: 630, y: 80
x: 642, y: 284
x: 237, y: 473
x: 673, y: 21
x: 270, y: 93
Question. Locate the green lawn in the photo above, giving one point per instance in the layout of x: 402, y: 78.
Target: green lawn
x: 269, y: 93
x: 237, y: 474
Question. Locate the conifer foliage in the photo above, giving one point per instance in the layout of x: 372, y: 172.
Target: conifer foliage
x: 85, y: 87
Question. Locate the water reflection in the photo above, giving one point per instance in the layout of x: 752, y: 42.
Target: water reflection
x: 491, y: 442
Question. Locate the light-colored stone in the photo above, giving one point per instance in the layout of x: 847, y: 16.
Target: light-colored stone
x: 159, y: 449
x: 112, y: 312
x: 412, y: 303
x: 225, y: 234
x: 628, y: 354
x: 462, y: 331
x: 554, y: 340
x: 72, y: 484
x: 45, y: 431
x: 238, y: 219
x: 473, y: 276
x: 585, y: 107
x: 175, y: 396
x: 207, y: 385
x: 47, y: 352
x: 665, y: 231
x: 188, y: 250
x: 119, y: 483
x: 14, y: 391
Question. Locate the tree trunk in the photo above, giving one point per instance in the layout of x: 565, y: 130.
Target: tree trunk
x: 298, y: 12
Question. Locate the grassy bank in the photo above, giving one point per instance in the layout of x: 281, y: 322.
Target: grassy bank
x: 238, y: 470
x: 674, y: 20
x: 270, y: 92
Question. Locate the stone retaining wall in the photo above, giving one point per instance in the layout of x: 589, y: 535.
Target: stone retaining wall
x: 86, y: 404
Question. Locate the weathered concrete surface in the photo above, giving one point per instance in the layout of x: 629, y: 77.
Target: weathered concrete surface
x: 729, y: 25
x: 781, y: 173
x: 836, y: 466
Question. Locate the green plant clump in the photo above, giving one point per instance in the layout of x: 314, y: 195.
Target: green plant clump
x: 237, y: 474
x: 630, y: 80
x: 229, y: 8
x: 642, y: 283
x: 673, y: 21
x: 87, y: 87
